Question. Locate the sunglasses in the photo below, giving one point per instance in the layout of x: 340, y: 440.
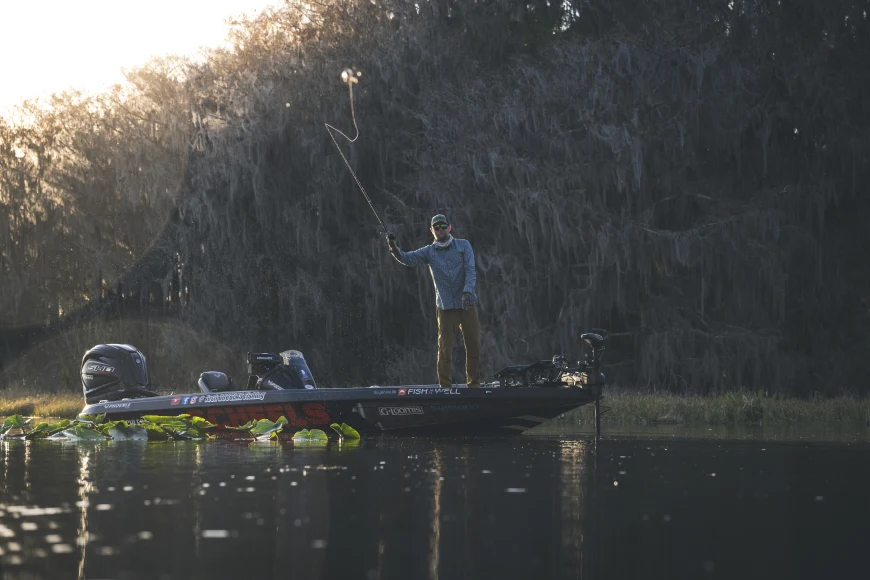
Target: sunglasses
x: 437, y: 227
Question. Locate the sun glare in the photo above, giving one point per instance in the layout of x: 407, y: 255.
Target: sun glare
x: 49, y: 46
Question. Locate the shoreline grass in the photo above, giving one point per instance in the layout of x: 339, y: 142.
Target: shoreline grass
x: 61, y: 405
x: 622, y: 407
x: 741, y: 408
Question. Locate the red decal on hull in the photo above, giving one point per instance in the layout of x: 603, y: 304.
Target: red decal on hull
x: 292, y: 417
x: 311, y: 414
x: 216, y: 415
x: 255, y: 412
x: 274, y: 412
x: 316, y: 413
x: 236, y: 416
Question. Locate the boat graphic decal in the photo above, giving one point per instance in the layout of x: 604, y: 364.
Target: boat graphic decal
x: 303, y: 415
x: 431, y: 391
x: 233, y: 397
x: 415, y: 410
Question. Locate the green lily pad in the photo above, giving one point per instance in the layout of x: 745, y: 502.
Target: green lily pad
x: 179, y: 428
x: 314, y: 436
x: 266, y: 429
x: 155, y: 432
x: 43, y: 430
x: 13, y: 422
x: 166, y: 419
x: 345, y: 431
x: 201, y: 423
x: 81, y: 433
x: 184, y: 433
x: 120, y: 431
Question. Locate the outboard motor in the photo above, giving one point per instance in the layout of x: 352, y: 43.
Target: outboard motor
x: 114, y: 371
x: 271, y: 371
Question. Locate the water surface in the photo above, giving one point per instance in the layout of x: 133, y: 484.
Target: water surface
x: 643, y: 506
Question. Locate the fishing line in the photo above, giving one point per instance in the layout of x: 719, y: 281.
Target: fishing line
x: 350, y: 77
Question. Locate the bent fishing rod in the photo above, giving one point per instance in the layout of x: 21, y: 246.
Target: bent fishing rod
x: 351, y: 77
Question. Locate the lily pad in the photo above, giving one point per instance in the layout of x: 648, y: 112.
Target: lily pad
x: 201, y: 423
x: 172, y: 421
x: 265, y: 428
x: 308, y: 437
x: 345, y: 431
x: 13, y: 422
x: 155, y: 432
x: 184, y: 433
x: 44, y: 430
x: 123, y: 432
x: 80, y: 432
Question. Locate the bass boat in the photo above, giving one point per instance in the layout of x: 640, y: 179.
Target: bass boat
x: 115, y: 382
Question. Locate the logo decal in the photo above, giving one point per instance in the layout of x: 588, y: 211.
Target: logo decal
x: 233, y: 397
x: 433, y: 391
x: 403, y: 392
x: 400, y: 410
x: 117, y: 405
x: 185, y: 400
x: 175, y: 400
x: 99, y: 368
x: 193, y: 400
x: 455, y: 407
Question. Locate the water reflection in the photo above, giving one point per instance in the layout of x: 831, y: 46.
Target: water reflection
x: 85, y: 487
x: 423, y: 508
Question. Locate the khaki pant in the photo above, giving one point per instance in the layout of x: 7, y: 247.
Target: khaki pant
x: 469, y: 324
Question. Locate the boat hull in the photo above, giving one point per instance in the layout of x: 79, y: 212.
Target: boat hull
x: 414, y: 409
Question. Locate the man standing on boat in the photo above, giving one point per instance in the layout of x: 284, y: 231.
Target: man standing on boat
x: 451, y: 262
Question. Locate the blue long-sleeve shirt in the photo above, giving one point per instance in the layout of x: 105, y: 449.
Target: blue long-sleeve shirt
x: 452, y: 270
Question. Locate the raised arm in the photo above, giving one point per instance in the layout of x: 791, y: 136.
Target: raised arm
x: 415, y: 258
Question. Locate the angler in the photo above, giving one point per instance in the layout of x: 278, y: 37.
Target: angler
x: 451, y: 263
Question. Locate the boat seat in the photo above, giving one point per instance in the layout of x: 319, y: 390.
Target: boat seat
x: 596, y: 341
x: 214, y: 381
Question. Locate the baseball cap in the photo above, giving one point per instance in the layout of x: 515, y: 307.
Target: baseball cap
x: 439, y: 219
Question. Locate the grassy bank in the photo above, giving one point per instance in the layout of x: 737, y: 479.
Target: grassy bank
x: 64, y: 406
x: 728, y: 409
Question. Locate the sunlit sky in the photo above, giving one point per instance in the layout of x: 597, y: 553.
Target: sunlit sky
x: 48, y: 46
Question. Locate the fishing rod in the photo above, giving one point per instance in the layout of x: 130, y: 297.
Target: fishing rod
x: 351, y: 77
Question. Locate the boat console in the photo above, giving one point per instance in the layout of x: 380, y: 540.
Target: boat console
x: 558, y: 372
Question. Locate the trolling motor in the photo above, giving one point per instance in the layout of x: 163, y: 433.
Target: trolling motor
x: 559, y: 372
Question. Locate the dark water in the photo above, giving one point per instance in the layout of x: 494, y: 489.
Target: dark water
x: 526, y: 508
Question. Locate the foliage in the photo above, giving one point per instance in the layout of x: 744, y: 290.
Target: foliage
x: 314, y: 437
x: 97, y: 428
x: 262, y: 428
x: 684, y: 174
x: 345, y: 431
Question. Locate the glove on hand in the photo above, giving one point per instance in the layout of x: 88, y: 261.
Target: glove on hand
x: 391, y: 240
x: 467, y: 300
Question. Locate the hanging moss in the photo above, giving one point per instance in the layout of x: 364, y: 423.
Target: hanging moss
x: 685, y: 175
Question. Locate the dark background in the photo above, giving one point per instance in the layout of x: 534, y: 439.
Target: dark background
x: 689, y: 176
